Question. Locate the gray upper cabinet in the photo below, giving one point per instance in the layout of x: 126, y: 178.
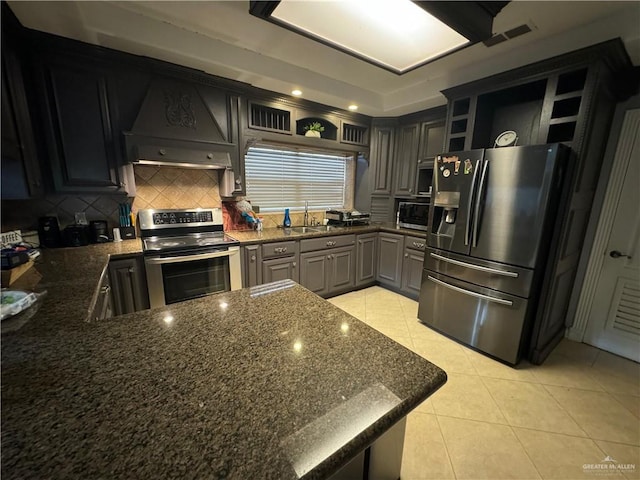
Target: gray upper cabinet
x: 381, y: 157
x: 80, y: 126
x: 366, y: 259
x: 128, y: 285
x: 406, y: 160
x: 21, y: 177
x: 431, y: 140
x: 390, y: 249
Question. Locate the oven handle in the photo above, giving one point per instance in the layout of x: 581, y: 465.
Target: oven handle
x: 189, y: 258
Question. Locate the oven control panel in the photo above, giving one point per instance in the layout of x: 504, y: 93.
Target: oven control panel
x: 156, y: 220
x: 164, y: 218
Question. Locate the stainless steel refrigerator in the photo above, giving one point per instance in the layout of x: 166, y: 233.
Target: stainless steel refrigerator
x: 491, y: 223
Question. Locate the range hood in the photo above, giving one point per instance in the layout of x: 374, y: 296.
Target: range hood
x: 176, y: 127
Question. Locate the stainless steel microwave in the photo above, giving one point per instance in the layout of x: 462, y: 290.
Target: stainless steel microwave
x: 413, y: 215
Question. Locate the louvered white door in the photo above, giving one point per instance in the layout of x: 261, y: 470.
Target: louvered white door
x: 614, y: 321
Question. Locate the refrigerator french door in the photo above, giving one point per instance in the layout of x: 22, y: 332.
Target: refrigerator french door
x: 491, y: 220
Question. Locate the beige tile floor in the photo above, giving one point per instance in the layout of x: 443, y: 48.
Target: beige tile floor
x: 558, y: 420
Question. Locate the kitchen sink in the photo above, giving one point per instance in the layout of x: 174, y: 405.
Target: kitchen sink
x: 317, y: 228
x: 325, y: 228
x: 303, y: 229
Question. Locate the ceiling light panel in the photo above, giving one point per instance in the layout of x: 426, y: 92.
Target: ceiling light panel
x: 398, y: 34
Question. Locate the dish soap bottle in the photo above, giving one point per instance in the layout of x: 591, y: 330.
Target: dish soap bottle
x: 287, y: 219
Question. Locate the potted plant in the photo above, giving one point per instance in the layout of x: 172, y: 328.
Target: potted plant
x: 313, y: 130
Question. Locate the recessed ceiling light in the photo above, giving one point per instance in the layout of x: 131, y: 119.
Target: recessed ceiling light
x: 296, y: 92
x: 353, y: 107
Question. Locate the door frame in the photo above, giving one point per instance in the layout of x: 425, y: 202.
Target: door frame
x: 606, y: 198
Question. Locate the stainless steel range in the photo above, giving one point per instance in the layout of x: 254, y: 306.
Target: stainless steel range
x: 187, y: 254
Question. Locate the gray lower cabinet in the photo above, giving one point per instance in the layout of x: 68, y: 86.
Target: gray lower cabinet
x: 104, y: 301
x: 251, y: 265
x: 128, y: 285
x: 342, y: 270
x: 314, y: 272
x: 412, y: 265
x: 328, y: 264
x: 280, y: 261
x: 366, y: 259
x: 390, y: 249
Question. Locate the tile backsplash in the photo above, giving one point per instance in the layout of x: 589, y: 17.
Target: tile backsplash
x: 156, y: 187
x: 171, y: 187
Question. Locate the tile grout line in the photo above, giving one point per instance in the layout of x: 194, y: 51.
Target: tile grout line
x: 567, y: 411
x: 525, y: 450
x: 446, y: 448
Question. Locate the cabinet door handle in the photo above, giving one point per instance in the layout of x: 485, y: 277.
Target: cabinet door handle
x: 328, y: 257
x: 253, y: 258
x: 105, y: 290
x: 293, y: 264
x: 131, y: 270
x: 406, y: 255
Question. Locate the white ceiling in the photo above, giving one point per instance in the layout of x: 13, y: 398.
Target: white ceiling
x: 222, y: 38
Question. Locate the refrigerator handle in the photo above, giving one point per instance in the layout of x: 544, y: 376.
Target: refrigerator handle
x: 467, y: 231
x: 469, y: 292
x: 479, y: 196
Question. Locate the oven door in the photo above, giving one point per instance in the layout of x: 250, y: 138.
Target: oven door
x: 174, y: 278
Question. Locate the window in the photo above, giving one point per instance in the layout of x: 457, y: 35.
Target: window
x: 278, y: 179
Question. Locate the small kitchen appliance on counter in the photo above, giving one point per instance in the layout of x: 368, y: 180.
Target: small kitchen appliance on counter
x: 76, y: 235
x: 346, y: 218
x: 49, y: 232
x: 187, y: 254
x: 99, y: 231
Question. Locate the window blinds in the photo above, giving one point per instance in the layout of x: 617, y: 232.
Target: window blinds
x: 278, y: 179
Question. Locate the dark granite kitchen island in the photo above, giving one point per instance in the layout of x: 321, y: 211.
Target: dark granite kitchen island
x: 268, y: 382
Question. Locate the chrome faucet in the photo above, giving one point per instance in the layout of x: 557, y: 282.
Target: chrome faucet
x: 306, y: 213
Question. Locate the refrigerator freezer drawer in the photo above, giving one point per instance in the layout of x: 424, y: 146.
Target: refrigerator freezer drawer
x: 493, y: 275
x: 489, y: 321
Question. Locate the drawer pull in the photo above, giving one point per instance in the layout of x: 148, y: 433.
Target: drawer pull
x: 418, y: 245
x: 331, y: 244
x: 280, y: 250
x: 506, y: 273
x: 501, y: 301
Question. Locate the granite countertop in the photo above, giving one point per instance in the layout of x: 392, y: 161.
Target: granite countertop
x: 279, y: 234
x: 244, y: 384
